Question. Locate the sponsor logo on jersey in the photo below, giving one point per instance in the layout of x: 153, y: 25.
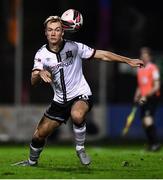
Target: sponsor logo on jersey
x: 61, y: 65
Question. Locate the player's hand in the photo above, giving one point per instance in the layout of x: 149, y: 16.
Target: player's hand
x: 45, y: 76
x: 142, y: 100
x: 136, y: 63
x: 136, y: 99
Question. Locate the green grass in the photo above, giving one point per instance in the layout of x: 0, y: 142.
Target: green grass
x: 60, y: 162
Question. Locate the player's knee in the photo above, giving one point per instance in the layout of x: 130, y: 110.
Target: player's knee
x: 77, y: 117
x: 147, y: 121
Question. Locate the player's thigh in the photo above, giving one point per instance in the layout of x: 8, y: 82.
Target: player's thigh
x: 45, y: 127
x: 79, y: 110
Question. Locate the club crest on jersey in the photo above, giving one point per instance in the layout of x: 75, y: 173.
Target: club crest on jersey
x: 69, y: 54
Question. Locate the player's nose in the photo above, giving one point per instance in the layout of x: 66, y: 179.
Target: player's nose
x: 53, y: 33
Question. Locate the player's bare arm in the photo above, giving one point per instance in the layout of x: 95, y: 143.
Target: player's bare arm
x: 137, y: 95
x: 109, y: 56
x: 138, y: 98
x: 42, y: 75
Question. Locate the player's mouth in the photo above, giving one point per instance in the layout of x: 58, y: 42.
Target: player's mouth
x: 53, y: 39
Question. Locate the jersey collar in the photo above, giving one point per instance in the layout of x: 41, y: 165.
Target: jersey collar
x: 62, y: 46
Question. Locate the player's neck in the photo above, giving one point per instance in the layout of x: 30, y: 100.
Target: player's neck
x: 56, y: 47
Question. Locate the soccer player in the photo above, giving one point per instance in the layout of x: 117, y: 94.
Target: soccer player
x: 59, y: 62
x: 147, y: 95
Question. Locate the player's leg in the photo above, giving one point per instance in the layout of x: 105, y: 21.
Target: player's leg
x: 54, y: 116
x: 78, y: 114
x: 148, y: 112
x: 151, y: 133
x: 45, y: 127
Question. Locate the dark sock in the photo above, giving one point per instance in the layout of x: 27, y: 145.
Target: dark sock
x: 37, y: 143
x: 151, y: 134
x: 36, y: 148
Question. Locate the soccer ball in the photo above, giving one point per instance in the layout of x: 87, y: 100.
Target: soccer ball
x: 72, y: 20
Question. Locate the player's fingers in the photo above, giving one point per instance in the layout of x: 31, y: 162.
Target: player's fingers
x: 48, y: 74
x: 45, y: 78
x: 137, y: 63
x: 141, y: 65
x: 48, y: 80
x: 45, y: 73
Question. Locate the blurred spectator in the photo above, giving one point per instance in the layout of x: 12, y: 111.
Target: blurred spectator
x: 147, y: 96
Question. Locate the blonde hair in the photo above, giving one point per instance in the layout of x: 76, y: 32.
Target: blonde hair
x: 52, y: 19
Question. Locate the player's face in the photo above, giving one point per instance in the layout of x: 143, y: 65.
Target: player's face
x: 145, y: 57
x: 54, y: 32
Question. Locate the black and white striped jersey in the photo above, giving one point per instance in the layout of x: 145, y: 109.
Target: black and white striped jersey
x: 66, y: 69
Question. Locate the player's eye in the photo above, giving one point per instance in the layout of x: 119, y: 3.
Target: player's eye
x: 49, y: 29
x: 58, y: 30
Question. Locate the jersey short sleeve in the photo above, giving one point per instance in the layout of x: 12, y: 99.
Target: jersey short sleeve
x: 84, y: 51
x: 155, y: 72
x: 38, y: 64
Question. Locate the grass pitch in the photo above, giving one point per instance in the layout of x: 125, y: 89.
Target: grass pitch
x: 61, y: 162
